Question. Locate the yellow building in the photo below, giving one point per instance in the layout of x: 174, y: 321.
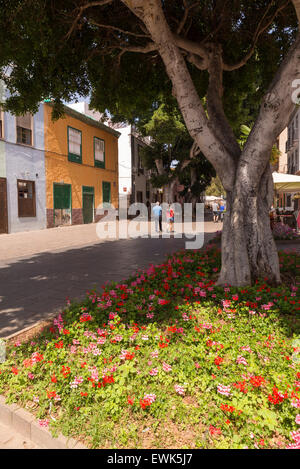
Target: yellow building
x: 81, y: 156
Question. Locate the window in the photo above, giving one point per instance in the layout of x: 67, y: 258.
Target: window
x: 24, y: 129
x: 26, y: 198
x: 74, y: 145
x: 139, y: 160
x: 99, y: 152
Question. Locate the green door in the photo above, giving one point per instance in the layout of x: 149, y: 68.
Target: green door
x: 62, y: 204
x: 106, y: 194
x: 88, y: 204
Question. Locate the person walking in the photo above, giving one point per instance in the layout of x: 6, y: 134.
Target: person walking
x: 170, y: 219
x: 222, y: 210
x: 157, y: 212
x: 215, y: 209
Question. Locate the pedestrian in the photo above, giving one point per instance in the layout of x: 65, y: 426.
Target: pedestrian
x: 215, y: 209
x: 157, y: 212
x: 170, y: 219
x: 222, y: 210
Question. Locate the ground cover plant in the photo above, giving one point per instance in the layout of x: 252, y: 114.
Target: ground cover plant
x: 285, y: 232
x: 166, y: 359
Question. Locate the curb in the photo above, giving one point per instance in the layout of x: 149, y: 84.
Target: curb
x: 25, y: 423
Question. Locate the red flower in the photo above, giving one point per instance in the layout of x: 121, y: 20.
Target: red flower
x: 53, y: 379
x: 214, y: 430
x: 15, y: 370
x: 59, y: 344
x: 257, y: 381
x: 130, y: 400
x: 51, y: 394
x: 145, y: 403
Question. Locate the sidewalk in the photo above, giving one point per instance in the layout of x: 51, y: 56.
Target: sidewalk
x: 9, y: 439
x: 29, y: 243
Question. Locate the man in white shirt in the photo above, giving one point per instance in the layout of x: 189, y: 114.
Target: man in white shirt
x: 215, y: 209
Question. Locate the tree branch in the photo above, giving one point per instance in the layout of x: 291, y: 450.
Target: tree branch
x: 194, y: 151
x: 259, y: 31
x: 187, y: 10
x: 150, y: 47
x: 275, y: 111
x: 81, y: 9
x: 201, y: 64
x: 296, y: 4
x: 217, y: 117
x: 184, y: 90
x: 114, y: 28
x: 190, y: 46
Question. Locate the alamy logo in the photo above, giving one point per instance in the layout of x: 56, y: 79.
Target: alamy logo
x: 296, y: 354
x: 135, y: 221
x: 296, y: 93
x: 2, y: 351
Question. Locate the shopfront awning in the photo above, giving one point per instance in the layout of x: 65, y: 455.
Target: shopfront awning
x: 286, y: 182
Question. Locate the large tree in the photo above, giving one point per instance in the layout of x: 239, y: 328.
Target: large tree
x: 205, y: 47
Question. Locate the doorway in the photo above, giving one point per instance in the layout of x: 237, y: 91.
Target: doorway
x: 87, y: 204
x: 3, y: 206
x: 62, y: 204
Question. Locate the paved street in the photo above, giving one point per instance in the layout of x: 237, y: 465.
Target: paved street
x: 39, y: 270
x: 10, y: 439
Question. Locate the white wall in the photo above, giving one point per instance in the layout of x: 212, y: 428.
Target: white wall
x: 25, y: 162
x: 125, y: 168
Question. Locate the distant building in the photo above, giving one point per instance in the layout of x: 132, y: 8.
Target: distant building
x: 281, y: 144
x: 292, y: 143
x: 81, y: 168
x: 289, y: 160
x: 55, y: 172
x: 134, y: 179
x: 22, y: 171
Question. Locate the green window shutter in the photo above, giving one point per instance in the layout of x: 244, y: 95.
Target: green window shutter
x: 74, y: 145
x: 106, y: 193
x: 99, y: 152
x: 62, y: 196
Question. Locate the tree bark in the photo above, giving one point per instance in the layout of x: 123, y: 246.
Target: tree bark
x: 248, y: 249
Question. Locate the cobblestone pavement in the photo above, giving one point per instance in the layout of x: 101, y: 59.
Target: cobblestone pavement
x: 9, y: 439
x: 39, y: 270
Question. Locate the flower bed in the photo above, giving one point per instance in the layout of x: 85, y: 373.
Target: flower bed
x: 169, y: 360
x: 284, y: 232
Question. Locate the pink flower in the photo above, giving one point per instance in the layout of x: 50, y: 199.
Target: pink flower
x: 241, y: 360
x: 43, y: 422
x: 179, y: 389
x: 154, y: 354
x: 297, y: 420
x: 246, y: 348
x: 151, y: 397
x: 224, y: 390
x: 30, y: 375
x: 166, y: 367
x: 153, y: 372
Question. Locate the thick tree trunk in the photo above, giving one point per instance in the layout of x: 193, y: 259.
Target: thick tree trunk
x: 248, y: 248
x: 168, y: 192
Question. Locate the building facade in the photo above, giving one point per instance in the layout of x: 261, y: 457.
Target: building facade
x: 288, y: 144
x: 81, y: 157
x: 134, y: 179
x: 292, y: 143
x: 22, y: 172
